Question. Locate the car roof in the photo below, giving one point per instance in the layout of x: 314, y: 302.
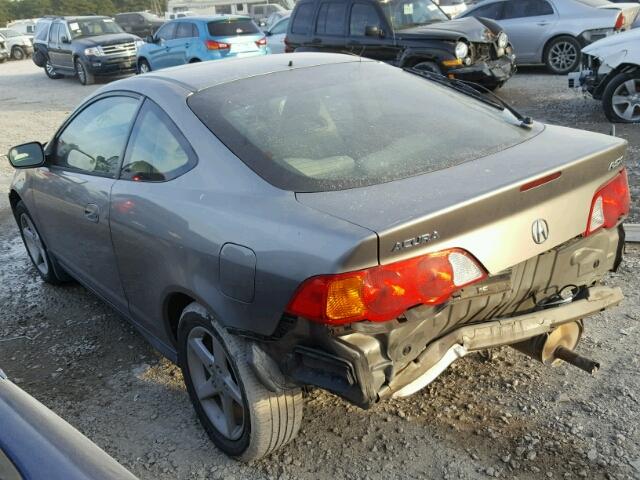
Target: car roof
x: 209, y: 18
x: 198, y: 76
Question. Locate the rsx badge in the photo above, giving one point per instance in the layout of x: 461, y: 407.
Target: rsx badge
x: 415, y: 241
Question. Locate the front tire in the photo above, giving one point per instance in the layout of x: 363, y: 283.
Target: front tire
x: 18, y: 53
x: 562, y: 55
x: 143, y: 66
x: 45, y: 264
x: 83, y: 73
x: 621, y: 98
x: 241, y: 416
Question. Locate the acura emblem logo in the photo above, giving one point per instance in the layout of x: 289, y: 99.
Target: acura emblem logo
x: 540, y: 230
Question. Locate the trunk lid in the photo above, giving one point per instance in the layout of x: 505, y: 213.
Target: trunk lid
x: 478, y: 205
x: 629, y: 10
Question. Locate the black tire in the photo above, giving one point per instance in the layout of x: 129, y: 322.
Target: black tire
x: 39, y: 58
x: 51, y: 71
x: 143, y: 66
x: 269, y: 419
x: 18, y: 53
x: 562, y: 55
x: 83, y: 73
x: 45, y: 264
x: 621, y: 87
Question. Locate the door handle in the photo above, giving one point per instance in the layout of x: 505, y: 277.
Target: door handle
x: 187, y: 45
x: 92, y: 212
x: 543, y: 24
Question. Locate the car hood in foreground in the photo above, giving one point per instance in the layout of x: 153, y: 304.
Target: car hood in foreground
x: 471, y: 28
x: 103, y: 40
x: 479, y: 205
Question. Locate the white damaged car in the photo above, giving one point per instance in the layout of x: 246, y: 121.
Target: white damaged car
x: 610, y: 71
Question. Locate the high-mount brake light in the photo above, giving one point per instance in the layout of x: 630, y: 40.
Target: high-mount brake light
x: 384, y: 292
x: 609, y: 204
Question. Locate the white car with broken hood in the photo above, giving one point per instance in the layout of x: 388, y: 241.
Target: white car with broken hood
x: 610, y: 71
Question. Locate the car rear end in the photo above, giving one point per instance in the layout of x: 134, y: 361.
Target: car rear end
x: 233, y: 36
x: 4, y: 52
x: 485, y: 237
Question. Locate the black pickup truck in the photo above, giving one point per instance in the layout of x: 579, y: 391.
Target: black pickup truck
x: 85, y: 47
x: 405, y: 33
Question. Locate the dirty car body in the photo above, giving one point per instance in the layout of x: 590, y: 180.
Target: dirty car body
x: 360, y: 266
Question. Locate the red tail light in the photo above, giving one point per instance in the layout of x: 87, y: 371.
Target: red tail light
x: 619, y: 21
x: 384, y: 292
x: 609, y: 204
x: 213, y: 45
x: 262, y: 42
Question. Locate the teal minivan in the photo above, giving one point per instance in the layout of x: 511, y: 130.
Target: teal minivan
x: 198, y: 39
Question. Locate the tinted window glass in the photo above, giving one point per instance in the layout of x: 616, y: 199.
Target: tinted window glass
x: 62, y: 33
x: 232, y: 28
x: 404, y: 14
x: 363, y: 16
x: 303, y: 18
x: 493, y: 11
x: 185, y: 30
x: 94, y: 140
x: 42, y: 30
x: 280, y: 27
x: 53, y: 33
x: 352, y: 124
x: 331, y: 19
x: 157, y: 151
x: 167, y: 32
x: 527, y: 8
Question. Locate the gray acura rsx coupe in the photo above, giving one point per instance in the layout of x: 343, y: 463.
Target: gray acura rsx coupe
x: 322, y: 220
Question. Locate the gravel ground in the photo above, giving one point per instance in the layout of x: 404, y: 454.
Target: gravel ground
x: 507, y: 417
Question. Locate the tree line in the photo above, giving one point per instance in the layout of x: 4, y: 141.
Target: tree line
x: 17, y: 9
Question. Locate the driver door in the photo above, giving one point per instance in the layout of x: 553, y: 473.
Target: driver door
x: 160, y: 53
x: 73, y: 189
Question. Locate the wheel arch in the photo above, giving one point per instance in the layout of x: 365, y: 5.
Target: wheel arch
x: 195, y: 60
x: 14, y: 198
x: 174, y: 304
x: 543, y: 52
x: 622, y: 68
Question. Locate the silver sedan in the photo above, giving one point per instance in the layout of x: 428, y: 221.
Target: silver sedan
x: 553, y: 32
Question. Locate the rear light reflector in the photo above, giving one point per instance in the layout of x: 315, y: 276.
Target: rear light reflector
x: 262, y: 42
x: 540, y: 181
x: 213, y: 45
x: 619, y: 21
x: 384, y: 292
x: 609, y: 204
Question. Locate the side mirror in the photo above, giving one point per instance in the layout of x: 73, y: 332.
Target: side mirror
x: 64, y: 40
x: 373, y: 31
x: 267, y: 33
x: 149, y: 39
x: 28, y: 155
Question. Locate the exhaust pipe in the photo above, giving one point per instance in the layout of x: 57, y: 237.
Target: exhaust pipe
x: 557, y: 346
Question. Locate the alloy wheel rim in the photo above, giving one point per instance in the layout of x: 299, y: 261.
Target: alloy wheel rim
x: 215, y: 383
x: 144, y: 68
x: 80, y: 70
x: 626, y: 100
x: 563, y: 55
x: 49, y: 68
x: 34, y: 244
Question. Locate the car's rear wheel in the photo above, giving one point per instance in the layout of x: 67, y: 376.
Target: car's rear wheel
x: 621, y: 98
x: 84, y: 75
x: 143, y: 66
x: 18, y: 53
x: 45, y: 264
x: 562, y: 55
x: 242, y: 417
x: 51, y: 71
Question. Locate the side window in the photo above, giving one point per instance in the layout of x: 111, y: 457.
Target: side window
x: 280, y: 27
x: 167, y: 32
x: 527, y: 8
x: 331, y: 19
x: 302, y: 21
x: 492, y: 11
x: 157, y: 151
x: 184, y: 30
x: 194, y: 30
x: 94, y: 140
x: 138, y: 20
x: 53, y: 33
x: 62, y: 32
x: 362, y: 16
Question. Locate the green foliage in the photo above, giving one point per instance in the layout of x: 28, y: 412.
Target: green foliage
x: 17, y: 9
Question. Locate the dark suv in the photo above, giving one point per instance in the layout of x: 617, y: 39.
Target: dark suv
x: 84, y: 47
x: 406, y: 33
x: 142, y: 24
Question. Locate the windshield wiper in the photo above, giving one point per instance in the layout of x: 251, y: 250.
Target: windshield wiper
x: 475, y: 90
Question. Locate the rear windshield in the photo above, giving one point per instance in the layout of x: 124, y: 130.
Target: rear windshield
x: 348, y: 125
x: 232, y: 27
x: 595, y: 3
